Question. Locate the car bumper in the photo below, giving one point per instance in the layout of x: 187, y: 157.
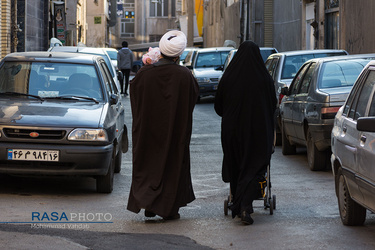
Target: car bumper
x: 73, y: 160
x: 321, y: 135
x: 207, y: 89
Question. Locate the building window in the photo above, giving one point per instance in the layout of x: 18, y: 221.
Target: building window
x: 127, y: 19
x: 160, y: 8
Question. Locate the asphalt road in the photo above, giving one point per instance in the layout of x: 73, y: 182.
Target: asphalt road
x: 306, y: 214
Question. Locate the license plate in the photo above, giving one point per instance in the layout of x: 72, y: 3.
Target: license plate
x: 33, y: 155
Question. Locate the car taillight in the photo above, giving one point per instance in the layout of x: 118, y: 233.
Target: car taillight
x: 329, y: 112
x: 280, y: 98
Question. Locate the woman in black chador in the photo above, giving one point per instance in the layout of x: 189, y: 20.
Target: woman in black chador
x: 246, y: 101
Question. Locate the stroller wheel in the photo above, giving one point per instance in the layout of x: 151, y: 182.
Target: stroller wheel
x: 271, y: 205
x: 225, y: 207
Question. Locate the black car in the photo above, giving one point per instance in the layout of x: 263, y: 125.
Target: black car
x: 60, y: 114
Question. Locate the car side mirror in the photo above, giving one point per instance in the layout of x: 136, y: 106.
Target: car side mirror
x: 284, y: 91
x: 120, y: 75
x: 366, y: 124
x: 113, y: 99
x: 221, y: 67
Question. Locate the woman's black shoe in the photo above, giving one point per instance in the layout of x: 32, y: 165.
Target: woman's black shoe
x: 246, y: 218
x: 149, y: 214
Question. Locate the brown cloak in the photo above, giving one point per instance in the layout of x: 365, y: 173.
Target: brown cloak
x: 163, y: 96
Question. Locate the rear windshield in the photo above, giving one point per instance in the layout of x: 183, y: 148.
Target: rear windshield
x: 50, y: 79
x: 211, y: 59
x: 341, y: 73
x: 293, y: 63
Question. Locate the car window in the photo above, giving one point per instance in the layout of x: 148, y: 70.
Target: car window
x: 265, y: 53
x: 341, y: 73
x: 107, y: 79
x: 292, y: 65
x: 372, y: 106
x: 271, y: 66
x: 307, y: 79
x: 211, y: 59
x: 365, y: 95
x: 47, y: 79
x: 112, y: 54
x: 350, y: 99
x: 298, y: 79
x: 359, y: 104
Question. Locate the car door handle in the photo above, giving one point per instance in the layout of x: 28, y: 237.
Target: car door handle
x: 363, y: 138
x: 344, y: 129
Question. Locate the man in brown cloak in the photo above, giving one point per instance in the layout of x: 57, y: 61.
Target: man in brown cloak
x: 163, y: 96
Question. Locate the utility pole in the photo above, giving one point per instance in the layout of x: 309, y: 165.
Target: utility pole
x: 190, y: 6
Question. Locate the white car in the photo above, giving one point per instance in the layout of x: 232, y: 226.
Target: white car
x: 95, y: 51
x: 113, y: 55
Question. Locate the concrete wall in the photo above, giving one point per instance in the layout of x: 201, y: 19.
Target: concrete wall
x: 32, y: 18
x: 287, y: 25
x: 356, y: 21
x: 96, y: 32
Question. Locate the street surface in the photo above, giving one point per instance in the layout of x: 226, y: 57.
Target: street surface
x: 306, y: 215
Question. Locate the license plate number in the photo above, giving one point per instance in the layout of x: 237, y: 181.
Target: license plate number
x: 33, y: 155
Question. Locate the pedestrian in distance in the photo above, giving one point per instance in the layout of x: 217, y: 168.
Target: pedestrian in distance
x: 125, y: 60
x: 162, y: 96
x: 246, y: 101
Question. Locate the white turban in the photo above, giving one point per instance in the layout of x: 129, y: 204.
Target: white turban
x: 173, y: 43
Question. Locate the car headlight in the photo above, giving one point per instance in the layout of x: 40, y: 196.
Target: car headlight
x: 203, y: 80
x: 88, y: 135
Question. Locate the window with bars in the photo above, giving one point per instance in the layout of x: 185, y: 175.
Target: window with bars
x: 160, y: 8
x: 128, y: 18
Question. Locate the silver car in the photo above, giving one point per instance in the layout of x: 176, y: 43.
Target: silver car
x: 207, y: 68
x: 311, y: 102
x: 353, y: 150
x: 284, y: 66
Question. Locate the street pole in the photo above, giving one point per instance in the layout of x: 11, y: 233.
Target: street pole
x: 190, y: 22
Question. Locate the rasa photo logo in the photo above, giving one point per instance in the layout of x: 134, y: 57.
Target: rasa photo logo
x: 68, y: 220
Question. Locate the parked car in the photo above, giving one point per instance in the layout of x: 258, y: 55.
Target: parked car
x: 265, y: 52
x: 116, y: 75
x: 112, y: 53
x: 205, y: 68
x: 284, y: 66
x: 188, y: 60
x: 60, y: 114
x: 353, y: 151
x: 311, y: 102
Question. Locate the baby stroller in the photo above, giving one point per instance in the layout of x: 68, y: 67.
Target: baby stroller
x: 265, y: 194
x: 265, y: 189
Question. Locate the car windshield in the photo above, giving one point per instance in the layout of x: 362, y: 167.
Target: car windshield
x: 211, y: 59
x: 112, y: 54
x: 293, y: 63
x: 341, y: 73
x: 50, y: 80
x: 265, y: 53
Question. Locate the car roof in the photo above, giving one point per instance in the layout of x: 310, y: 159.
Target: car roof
x: 79, y: 49
x: 51, y: 56
x: 341, y: 58
x: 305, y: 52
x: 215, y: 49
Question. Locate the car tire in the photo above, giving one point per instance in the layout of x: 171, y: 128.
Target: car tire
x: 118, y: 159
x: 351, y: 213
x: 104, y: 183
x: 286, y: 147
x: 317, y: 160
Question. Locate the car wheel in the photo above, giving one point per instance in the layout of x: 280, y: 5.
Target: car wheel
x: 351, y: 213
x: 118, y: 159
x: 316, y: 159
x: 104, y: 183
x: 286, y: 147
